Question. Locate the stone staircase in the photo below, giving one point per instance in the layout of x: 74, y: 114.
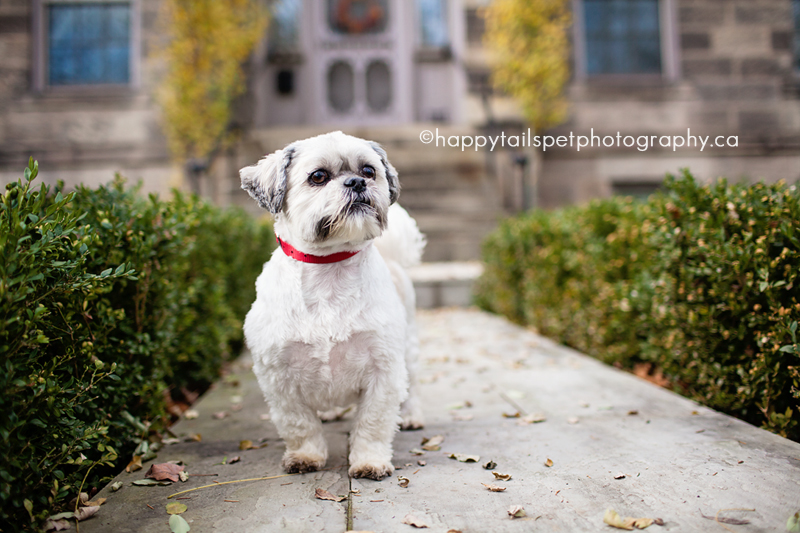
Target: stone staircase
x: 448, y: 192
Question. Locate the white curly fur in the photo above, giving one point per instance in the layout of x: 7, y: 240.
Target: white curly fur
x: 330, y: 335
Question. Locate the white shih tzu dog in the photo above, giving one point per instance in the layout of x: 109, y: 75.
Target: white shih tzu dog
x: 333, y: 321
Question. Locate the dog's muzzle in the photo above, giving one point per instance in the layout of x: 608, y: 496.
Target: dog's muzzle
x: 356, y: 183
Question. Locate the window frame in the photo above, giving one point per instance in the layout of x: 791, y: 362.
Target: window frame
x: 670, y: 48
x: 795, y: 46
x: 41, y: 59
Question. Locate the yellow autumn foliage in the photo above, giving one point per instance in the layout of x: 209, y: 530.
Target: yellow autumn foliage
x: 209, y: 41
x: 531, y: 46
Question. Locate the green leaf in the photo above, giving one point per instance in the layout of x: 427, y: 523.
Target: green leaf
x: 176, y: 508
x: 178, y: 525
x: 793, y: 524
x: 28, y: 507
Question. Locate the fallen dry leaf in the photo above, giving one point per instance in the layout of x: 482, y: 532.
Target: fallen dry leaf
x: 641, y: 523
x: 322, y: 494
x: 493, y: 488
x: 416, y: 451
x: 86, y: 512
x: 58, y: 522
x: 433, y: 444
x: 548, y: 463
x: 512, y: 415
x: 613, y: 519
x: 620, y: 475
x: 234, y: 459
x: 164, y: 471
x: 501, y: 477
x: 135, y: 464
x: 491, y: 465
x: 633, y: 412
x: 464, y: 458
x: 412, y: 520
x: 245, y: 444
x: 81, y: 500
x: 184, y: 476
x: 403, y: 481
x: 176, y: 508
x: 516, y: 511
x: 190, y: 414
x: 220, y: 415
x: 531, y: 419
x: 650, y: 373
x: 95, y: 503
x: 150, y: 482
x: 422, y: 462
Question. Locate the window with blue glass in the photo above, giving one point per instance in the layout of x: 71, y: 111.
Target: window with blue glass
x: 88, y: 43
x: 432, y: 18
x: 622, y: 36
x: 285, y: 25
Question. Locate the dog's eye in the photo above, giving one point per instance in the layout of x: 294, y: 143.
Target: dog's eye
x: 368, y: 171
x: 319, y: 176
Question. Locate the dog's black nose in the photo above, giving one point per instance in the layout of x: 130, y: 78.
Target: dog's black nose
x: 356, y: 183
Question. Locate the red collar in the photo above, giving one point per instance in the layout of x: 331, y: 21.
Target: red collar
x: 294, y: 253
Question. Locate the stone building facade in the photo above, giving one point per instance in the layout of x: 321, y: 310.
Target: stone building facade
x: 388, y: 69
x: 729, y: 68
x: 82, y: 124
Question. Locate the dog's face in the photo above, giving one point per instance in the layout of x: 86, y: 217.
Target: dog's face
x: 326, y: 190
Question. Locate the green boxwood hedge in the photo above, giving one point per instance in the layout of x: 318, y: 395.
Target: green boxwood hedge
x: 699, y: 281
x: 109, y: 304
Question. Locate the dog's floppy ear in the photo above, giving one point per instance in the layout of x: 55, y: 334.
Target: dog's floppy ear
x: 266, y: 181
x: 391, y: 173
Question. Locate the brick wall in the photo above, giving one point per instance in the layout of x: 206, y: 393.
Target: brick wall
x: 15, y: 49
x: 79, y: 135
x: 736, y: 78
x: 737, y: 54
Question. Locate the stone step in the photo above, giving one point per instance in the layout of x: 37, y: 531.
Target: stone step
x: 445, y: 284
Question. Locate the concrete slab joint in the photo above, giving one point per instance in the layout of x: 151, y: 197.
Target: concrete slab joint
x: 575, y: 436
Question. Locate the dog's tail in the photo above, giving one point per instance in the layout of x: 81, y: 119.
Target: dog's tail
x: 402, y: 241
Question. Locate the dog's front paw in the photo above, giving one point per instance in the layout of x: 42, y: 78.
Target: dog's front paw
x: 295, y: 462
x: 412, y: 423
x: 376, y: 471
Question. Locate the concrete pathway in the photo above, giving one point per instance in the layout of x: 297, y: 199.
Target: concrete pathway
x: 612, y: 440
